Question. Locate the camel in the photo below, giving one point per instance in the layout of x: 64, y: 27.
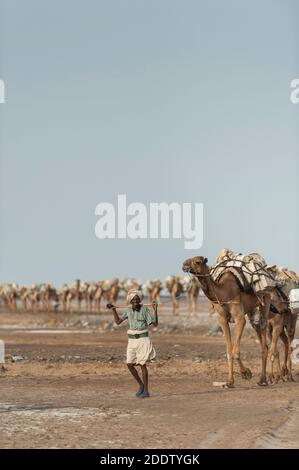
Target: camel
x: 129, y: 284
x: 98, y: 295
x: 48, y: 295
x: 153, y: 289
x: 90, y: 289
x: 112, y: 292
x: 192, y: 288
x: 9, y: 295
x: 281, y: 324
x: 63, y: 296
x: 175, y: 288
x: 67, y: 293
x: 30, y: 297
x: 109, y: 290
x: 232, y: 302
x: 154, y: 294
x: 86, y: 291
x: 75, y: 291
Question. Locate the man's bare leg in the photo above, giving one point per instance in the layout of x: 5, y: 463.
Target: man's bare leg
x: 135, y: 374
x: 145, y: 393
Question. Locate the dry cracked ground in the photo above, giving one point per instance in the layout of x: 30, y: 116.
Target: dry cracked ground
x: 65, y: 385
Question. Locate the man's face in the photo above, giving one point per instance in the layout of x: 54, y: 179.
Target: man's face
x: 135, y: 302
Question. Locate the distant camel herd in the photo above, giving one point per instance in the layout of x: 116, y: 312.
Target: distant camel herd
x: 88, y: 295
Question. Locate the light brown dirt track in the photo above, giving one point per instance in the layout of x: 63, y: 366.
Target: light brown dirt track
x: 72, y: 388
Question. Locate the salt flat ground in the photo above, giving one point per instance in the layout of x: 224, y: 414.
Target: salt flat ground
x: 66, y: 386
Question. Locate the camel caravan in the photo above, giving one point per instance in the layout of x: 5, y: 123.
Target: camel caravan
x: 90, y: 295
x: 238, y: 285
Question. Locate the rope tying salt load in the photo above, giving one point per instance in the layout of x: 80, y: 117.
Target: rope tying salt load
x: 285, y: 279
x: 294, y: 301
x: 251, y: 270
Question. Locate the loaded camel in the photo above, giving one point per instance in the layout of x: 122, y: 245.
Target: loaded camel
x: 175, y: 288
x: 192, y: 293
x: 281, y: 324
x: 108, y: 290
x: 153, y: 289
x: 232, y: 303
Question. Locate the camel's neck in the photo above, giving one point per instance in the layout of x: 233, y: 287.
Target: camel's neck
x: 209, y: 287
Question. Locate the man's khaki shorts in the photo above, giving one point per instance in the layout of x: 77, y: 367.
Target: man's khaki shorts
x: 140, y: 350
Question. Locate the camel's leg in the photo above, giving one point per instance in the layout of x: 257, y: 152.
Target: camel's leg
x: 238, y: 315
x: 285, y: 341
x: 227, y: 334
x: 290, y: 375
x: 11, y: 305
x: 290, y: 330
x: 100, y: 301
x: 275, y: 330
x: 261, y: 332
x: 176, y: 306
x: 69, y: 303
x: 271, y: 373
x: 287, y: 336
x: 195, y: 304
x: 189, y: 303
x: 287, y: 363
x: 279, y: 370
x: 14, y: 304
x: 174, y: 303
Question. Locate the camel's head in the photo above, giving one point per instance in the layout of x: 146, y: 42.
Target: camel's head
x: 196, y: 265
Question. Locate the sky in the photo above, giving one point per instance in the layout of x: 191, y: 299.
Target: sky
x: 161, y: 100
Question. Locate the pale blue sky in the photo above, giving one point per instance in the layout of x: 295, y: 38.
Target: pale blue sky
x: 163, y: 100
